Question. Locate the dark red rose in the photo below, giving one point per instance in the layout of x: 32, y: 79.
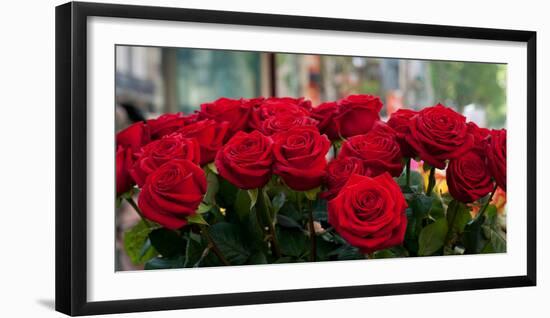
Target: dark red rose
x: 123, y: 164
x: 234, y: 111
x: 134, y: 136
x: 338, y: 172
x: 172, y: 193
x: 158, y: 152
x: 378, y: 149
x: 480, y: 137
x: 496, y: 156
x: 468, y: 177
x: 369, y: 213
x: 324, y: 114
x: 400, y: 122
x: 438, y: 133
x: 210, y: 134
x: 246, y: 160
x: 283, y: 122
x: 167, y: 124
x: 276, y: 106
x: 357, y: 114
x: 300, y: 157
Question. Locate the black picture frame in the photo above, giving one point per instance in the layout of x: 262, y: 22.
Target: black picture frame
x: 71, y: 157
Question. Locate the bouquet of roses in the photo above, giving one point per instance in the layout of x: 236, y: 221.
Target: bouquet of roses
x: 275, y: 180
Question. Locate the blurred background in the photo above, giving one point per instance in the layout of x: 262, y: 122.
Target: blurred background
x: 151, y: 81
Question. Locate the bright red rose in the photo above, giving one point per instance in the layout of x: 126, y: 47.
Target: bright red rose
x: 324, y: 114
x: 123, y: 164
x: 378, y: 149
x: 167, y: 124
x: 400, y: 122
x: 338, y: 172
x: 172, y: 193
x: 496, y: 156
x: 284, y: 122
x: 276, y: 106
x: 234, y: 111
x: 134, y: 136
x: 438, y: 133
x: 246, y: 160
x: 357, y: 114
x: 210, y: 134
x: 369, y: 213
x: 158, y: 152
x: 480, y: 137
x: 300, y: 157
x: 468, y: 177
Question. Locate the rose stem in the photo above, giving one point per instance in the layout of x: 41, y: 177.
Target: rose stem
x: 482, y: 210
x: 408, y: 172
x: 212, y: 245
x: 431, y: 182
x: 267, y: 214
x: 312, y: 236
x: 136, y: 208
x: 335, y: 150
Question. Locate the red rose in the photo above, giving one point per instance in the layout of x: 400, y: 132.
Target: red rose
x: 357, y: 114
x: 378, y: 149
x: 369, y: 213
x: 275, y: 106
x: 400, y: 122
x: 338, y: 172
x: 284, y: 122
x: 468, y: 177
x: 167, y: 124
x: 324, y: 114
x: 123, y: 164
x: 210, y: 135
x: 172, y: 192
x: 134, y: 136
x: 496, y: 156
x: 156, y: 153
x: 234, y: 111
x: 438, y: 133
x: 246, y: 160
x: 300, y: 157
x: 480, y: 137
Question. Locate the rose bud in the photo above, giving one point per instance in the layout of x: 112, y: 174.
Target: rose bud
x: 234, y: 111
x: 357, y: 114
x: 378, y: 149
x: 324, y: 114
x: 210, y: 136
x: 134, y: 136
x: 284, y: 122
x: 246, y: 160
x: 400, y: 122
x: 438, y: 133
x: 338, y: 172
x: 496, y: 156
x: 300, y: 157
x: 278, y: 106
x: 468, y: 177
x: 172, y: 193
x: 369, y: 213
x: 167, y: 124
x: 156, y: 153
x: 123, y: 164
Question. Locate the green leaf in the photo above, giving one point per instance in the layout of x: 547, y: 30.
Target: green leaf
x: 287, y: 222
x: 212, y: 168
x: 134, y: 240
x: 253, y: 194
x: 458, y: 215
x: 242, y: 204
x: 347, y: 252
x: 473, y: 238
x: 203, y: 208
x: 278, y: 201
x: 168, y: 243
x: 230, y: 240
x: 193, y: 252
x: 320, y: 211
x: 437, y: 210
x: 227, y: 193
x: 165, y: 263
x: 312, y: 194
x: 292, y: 242
x: 212, y: 189
x: 257, y: 258
x: 496, y: 243
x: 196, y: 219
x: 432, y: 237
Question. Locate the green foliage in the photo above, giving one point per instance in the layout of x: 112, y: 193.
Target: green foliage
x: 137, y: 245
x: 231, y: 242
x: 432, y: 237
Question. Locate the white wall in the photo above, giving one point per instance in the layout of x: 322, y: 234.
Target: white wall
x: 27, y: 158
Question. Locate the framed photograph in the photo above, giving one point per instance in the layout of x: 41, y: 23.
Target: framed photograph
x: 211, y: 158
